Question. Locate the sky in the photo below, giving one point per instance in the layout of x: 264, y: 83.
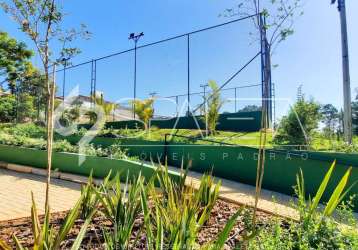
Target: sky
x: 311, y: 56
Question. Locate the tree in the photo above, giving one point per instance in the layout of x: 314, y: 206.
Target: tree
x: 355, y: 113
x: 14, y: 60
x: 297, y: 126
x: 42, y: 22
x: 330, y: 118
x: 7, y: 108
x: 214, y: 104
x: 144, y: 110
x: 280, y: 16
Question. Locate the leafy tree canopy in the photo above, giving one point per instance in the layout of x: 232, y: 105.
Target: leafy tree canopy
x: 14, y: 59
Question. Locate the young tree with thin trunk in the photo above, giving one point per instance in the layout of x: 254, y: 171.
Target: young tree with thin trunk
x: 42, y: 22
x: 214, y: 104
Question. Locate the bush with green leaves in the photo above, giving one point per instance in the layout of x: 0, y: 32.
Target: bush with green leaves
x: 7, y: 108
x: 316, y: 228
x: 17, y: 137
x: 26, y: 129
x: 301, y: 121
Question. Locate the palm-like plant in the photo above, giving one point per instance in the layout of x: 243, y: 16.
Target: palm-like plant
x: 107, y: 107
x: 121, y: 205
x: 144, y: 110
x: 178, y: 212
x: 309, y: 209
x: 214, y: 103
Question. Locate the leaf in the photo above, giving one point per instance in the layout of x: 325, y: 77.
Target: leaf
x: 223, y: 236
x: 77, y: 243
x: 4, y: 246
x: 17, y: 243
x: 67, y: 224
x: 321, y: 189
x: 34, y: 218
x: 336, y: 196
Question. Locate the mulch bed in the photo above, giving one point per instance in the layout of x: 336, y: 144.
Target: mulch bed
x: 221, y: 212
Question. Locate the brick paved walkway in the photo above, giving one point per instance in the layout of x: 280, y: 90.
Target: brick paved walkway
x: 15, y: 194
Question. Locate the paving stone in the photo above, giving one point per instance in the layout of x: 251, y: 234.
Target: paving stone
x: 15, y: 193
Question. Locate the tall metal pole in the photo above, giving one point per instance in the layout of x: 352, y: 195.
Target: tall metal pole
x: 205, y: 103
x: 347, y: 114
x: 135, y: 38
x: 64, y: 82
x: 188, y: 71
x: 95, y: 80
x: 92, y: 77
x: 135, y: 76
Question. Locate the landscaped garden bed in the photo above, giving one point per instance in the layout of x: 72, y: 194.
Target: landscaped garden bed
x: 220, y: 214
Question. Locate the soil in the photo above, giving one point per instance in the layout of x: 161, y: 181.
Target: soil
x: 221, y: 213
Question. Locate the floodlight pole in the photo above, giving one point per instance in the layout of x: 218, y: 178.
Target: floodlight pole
x: 135, y: 38
x: 347, y: 114
x: 188, y: 71
x: 64, y: 62
x: 204, y: 87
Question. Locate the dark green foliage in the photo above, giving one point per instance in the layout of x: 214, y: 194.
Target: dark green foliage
x: 250, y: 108
x: 330, y: 118
x: 355, y: 114
x: 7, y: 108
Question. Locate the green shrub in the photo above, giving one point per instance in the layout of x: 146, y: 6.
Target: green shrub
x: 316, y: 229
x: 7, y: 108
x: 121, y: 205
x: 301, y: 121
x: 26, y: 129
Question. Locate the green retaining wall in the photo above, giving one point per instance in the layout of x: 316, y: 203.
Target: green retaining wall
x: 240, y: 121
x: 68, y: 163
x: 239, y: 163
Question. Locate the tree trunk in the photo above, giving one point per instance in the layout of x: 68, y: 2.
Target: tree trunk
x: 50, y: 109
